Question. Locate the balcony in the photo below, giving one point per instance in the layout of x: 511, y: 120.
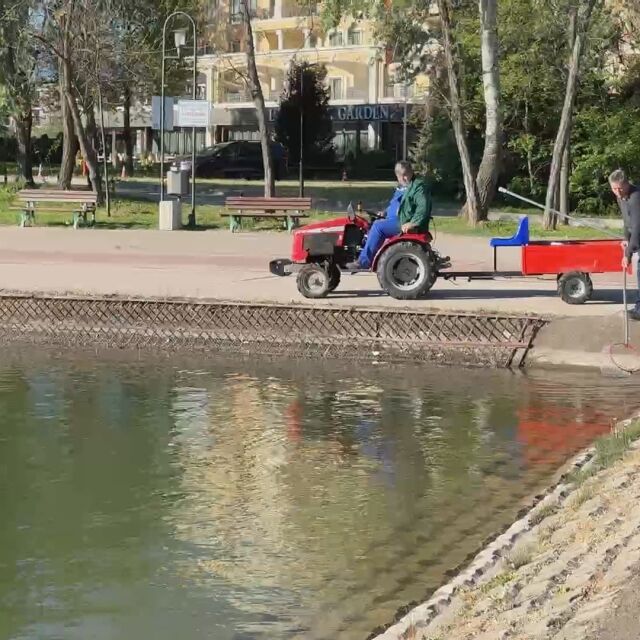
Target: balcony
x: 236, y: 96
x: 397, y: 91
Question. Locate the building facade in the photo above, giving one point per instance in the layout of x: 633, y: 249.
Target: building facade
x: 367, y: 104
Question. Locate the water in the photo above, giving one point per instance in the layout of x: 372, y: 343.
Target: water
x: 232, y: 501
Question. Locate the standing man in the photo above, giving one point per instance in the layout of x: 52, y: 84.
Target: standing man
x: 628, y: 196
x: 411, y: 201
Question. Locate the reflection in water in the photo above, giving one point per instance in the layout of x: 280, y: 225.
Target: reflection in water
x: 243, y: 501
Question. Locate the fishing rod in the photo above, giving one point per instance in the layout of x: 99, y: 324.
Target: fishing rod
x: 579, y: 222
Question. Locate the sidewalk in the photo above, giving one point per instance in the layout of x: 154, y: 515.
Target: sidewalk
x: 218, y: 265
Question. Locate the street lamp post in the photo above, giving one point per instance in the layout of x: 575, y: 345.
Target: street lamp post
x: 180, y: 38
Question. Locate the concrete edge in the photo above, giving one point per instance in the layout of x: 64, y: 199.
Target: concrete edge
x: 488, y: 558
x: 623, y: 363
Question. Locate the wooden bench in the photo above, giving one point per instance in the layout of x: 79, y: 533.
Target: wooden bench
x: 288, y: 209
x: 80, y: 203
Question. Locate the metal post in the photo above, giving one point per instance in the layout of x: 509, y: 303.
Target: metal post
x: 301, y: 163
x: 192, y: 216
x: 625, y: 313
x: 164, y: 39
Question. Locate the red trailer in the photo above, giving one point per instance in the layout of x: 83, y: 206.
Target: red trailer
x: 572, y: 261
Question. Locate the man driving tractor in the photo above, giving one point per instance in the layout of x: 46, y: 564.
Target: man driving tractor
x: 409, y: 210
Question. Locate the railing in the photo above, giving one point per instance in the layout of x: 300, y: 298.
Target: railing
x: 236, y: 96
x: 398, y: 91
x: 286, y: 330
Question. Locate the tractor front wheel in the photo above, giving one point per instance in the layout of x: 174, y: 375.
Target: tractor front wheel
x: 313, y: 281
x: 334, y: 277
x: 406, y: 271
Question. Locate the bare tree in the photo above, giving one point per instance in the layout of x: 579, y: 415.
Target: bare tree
x: 18, y: 73
x: 255, y: 89
x: 472, y: 206
x: 489, y: 170
x: 582, y: 24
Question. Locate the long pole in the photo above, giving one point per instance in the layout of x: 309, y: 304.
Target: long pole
x: 164, y: 39
x: 404, y: 125
x: 562, y: 215
x: 301, y: 167
x: 192, y: 216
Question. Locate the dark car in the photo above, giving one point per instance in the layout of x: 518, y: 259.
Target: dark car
x: 238, y: 159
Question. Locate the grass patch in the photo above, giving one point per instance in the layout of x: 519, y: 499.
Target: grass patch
x: 543, y: 512
x: 548, y: 530
x: 498, y: 581
x: 130, y: 213
x: 608, y: 450
x: 583, y: 495
x: 520, y: 556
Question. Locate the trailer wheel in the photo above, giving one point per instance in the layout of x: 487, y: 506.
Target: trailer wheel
x: 405, y: 271
x: 313, y: 281
x: 575, y: 287
x: 334, y: 277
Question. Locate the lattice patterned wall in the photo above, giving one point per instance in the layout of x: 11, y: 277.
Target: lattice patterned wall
x: 268, y: 329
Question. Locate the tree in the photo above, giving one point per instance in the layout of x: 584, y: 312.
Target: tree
x: 582, y: 21
x: 313, y: 102
x: 406, y: 27
x: 18, y: 75
x: 472, y: 206
x: 255, y: 89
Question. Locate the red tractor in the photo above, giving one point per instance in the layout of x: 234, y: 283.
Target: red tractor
x: 406, y: 265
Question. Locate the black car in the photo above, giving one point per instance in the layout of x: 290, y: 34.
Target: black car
x: 238, y: 159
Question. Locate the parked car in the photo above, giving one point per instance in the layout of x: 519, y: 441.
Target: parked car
x: 238, y: 159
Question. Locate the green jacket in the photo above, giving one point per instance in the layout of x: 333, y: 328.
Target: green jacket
x: 416, y: 205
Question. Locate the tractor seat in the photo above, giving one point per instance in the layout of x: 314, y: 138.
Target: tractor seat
x: 421, y: 236
x: 519, y: 239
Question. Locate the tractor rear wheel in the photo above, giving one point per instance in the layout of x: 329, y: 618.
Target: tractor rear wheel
x: 313, y: 281
x: 406, y: 271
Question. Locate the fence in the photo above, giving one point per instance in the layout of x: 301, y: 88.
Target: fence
x: 292, y: 330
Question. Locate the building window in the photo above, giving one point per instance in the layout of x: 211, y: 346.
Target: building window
x: 236, y: 8
x: 354, y: 37
x: 235, y: 46
x: 336, y: 89
x: 335, y: 39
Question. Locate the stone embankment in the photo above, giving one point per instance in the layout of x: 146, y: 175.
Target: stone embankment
x: 567, y: 570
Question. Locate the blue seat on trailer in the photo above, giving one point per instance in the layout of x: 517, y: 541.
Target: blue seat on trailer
x: 519, y: 239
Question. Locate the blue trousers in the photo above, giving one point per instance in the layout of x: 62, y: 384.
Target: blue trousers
x: 380, y: 231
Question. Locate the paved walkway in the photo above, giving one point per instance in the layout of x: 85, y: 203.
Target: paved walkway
x: 218, y: 265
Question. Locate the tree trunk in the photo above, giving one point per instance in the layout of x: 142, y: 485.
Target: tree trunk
x: 583, y: 21
x: 23, y: 123
x: 84, y: 138
x: 565, y: 175
x: 258, y: 101
x: 126, y: 132
x: 69, y: 142
x: 457, y: 118
x: 489, y: 170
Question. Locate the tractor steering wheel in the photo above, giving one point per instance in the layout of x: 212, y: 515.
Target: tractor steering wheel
x: 373, y: 216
